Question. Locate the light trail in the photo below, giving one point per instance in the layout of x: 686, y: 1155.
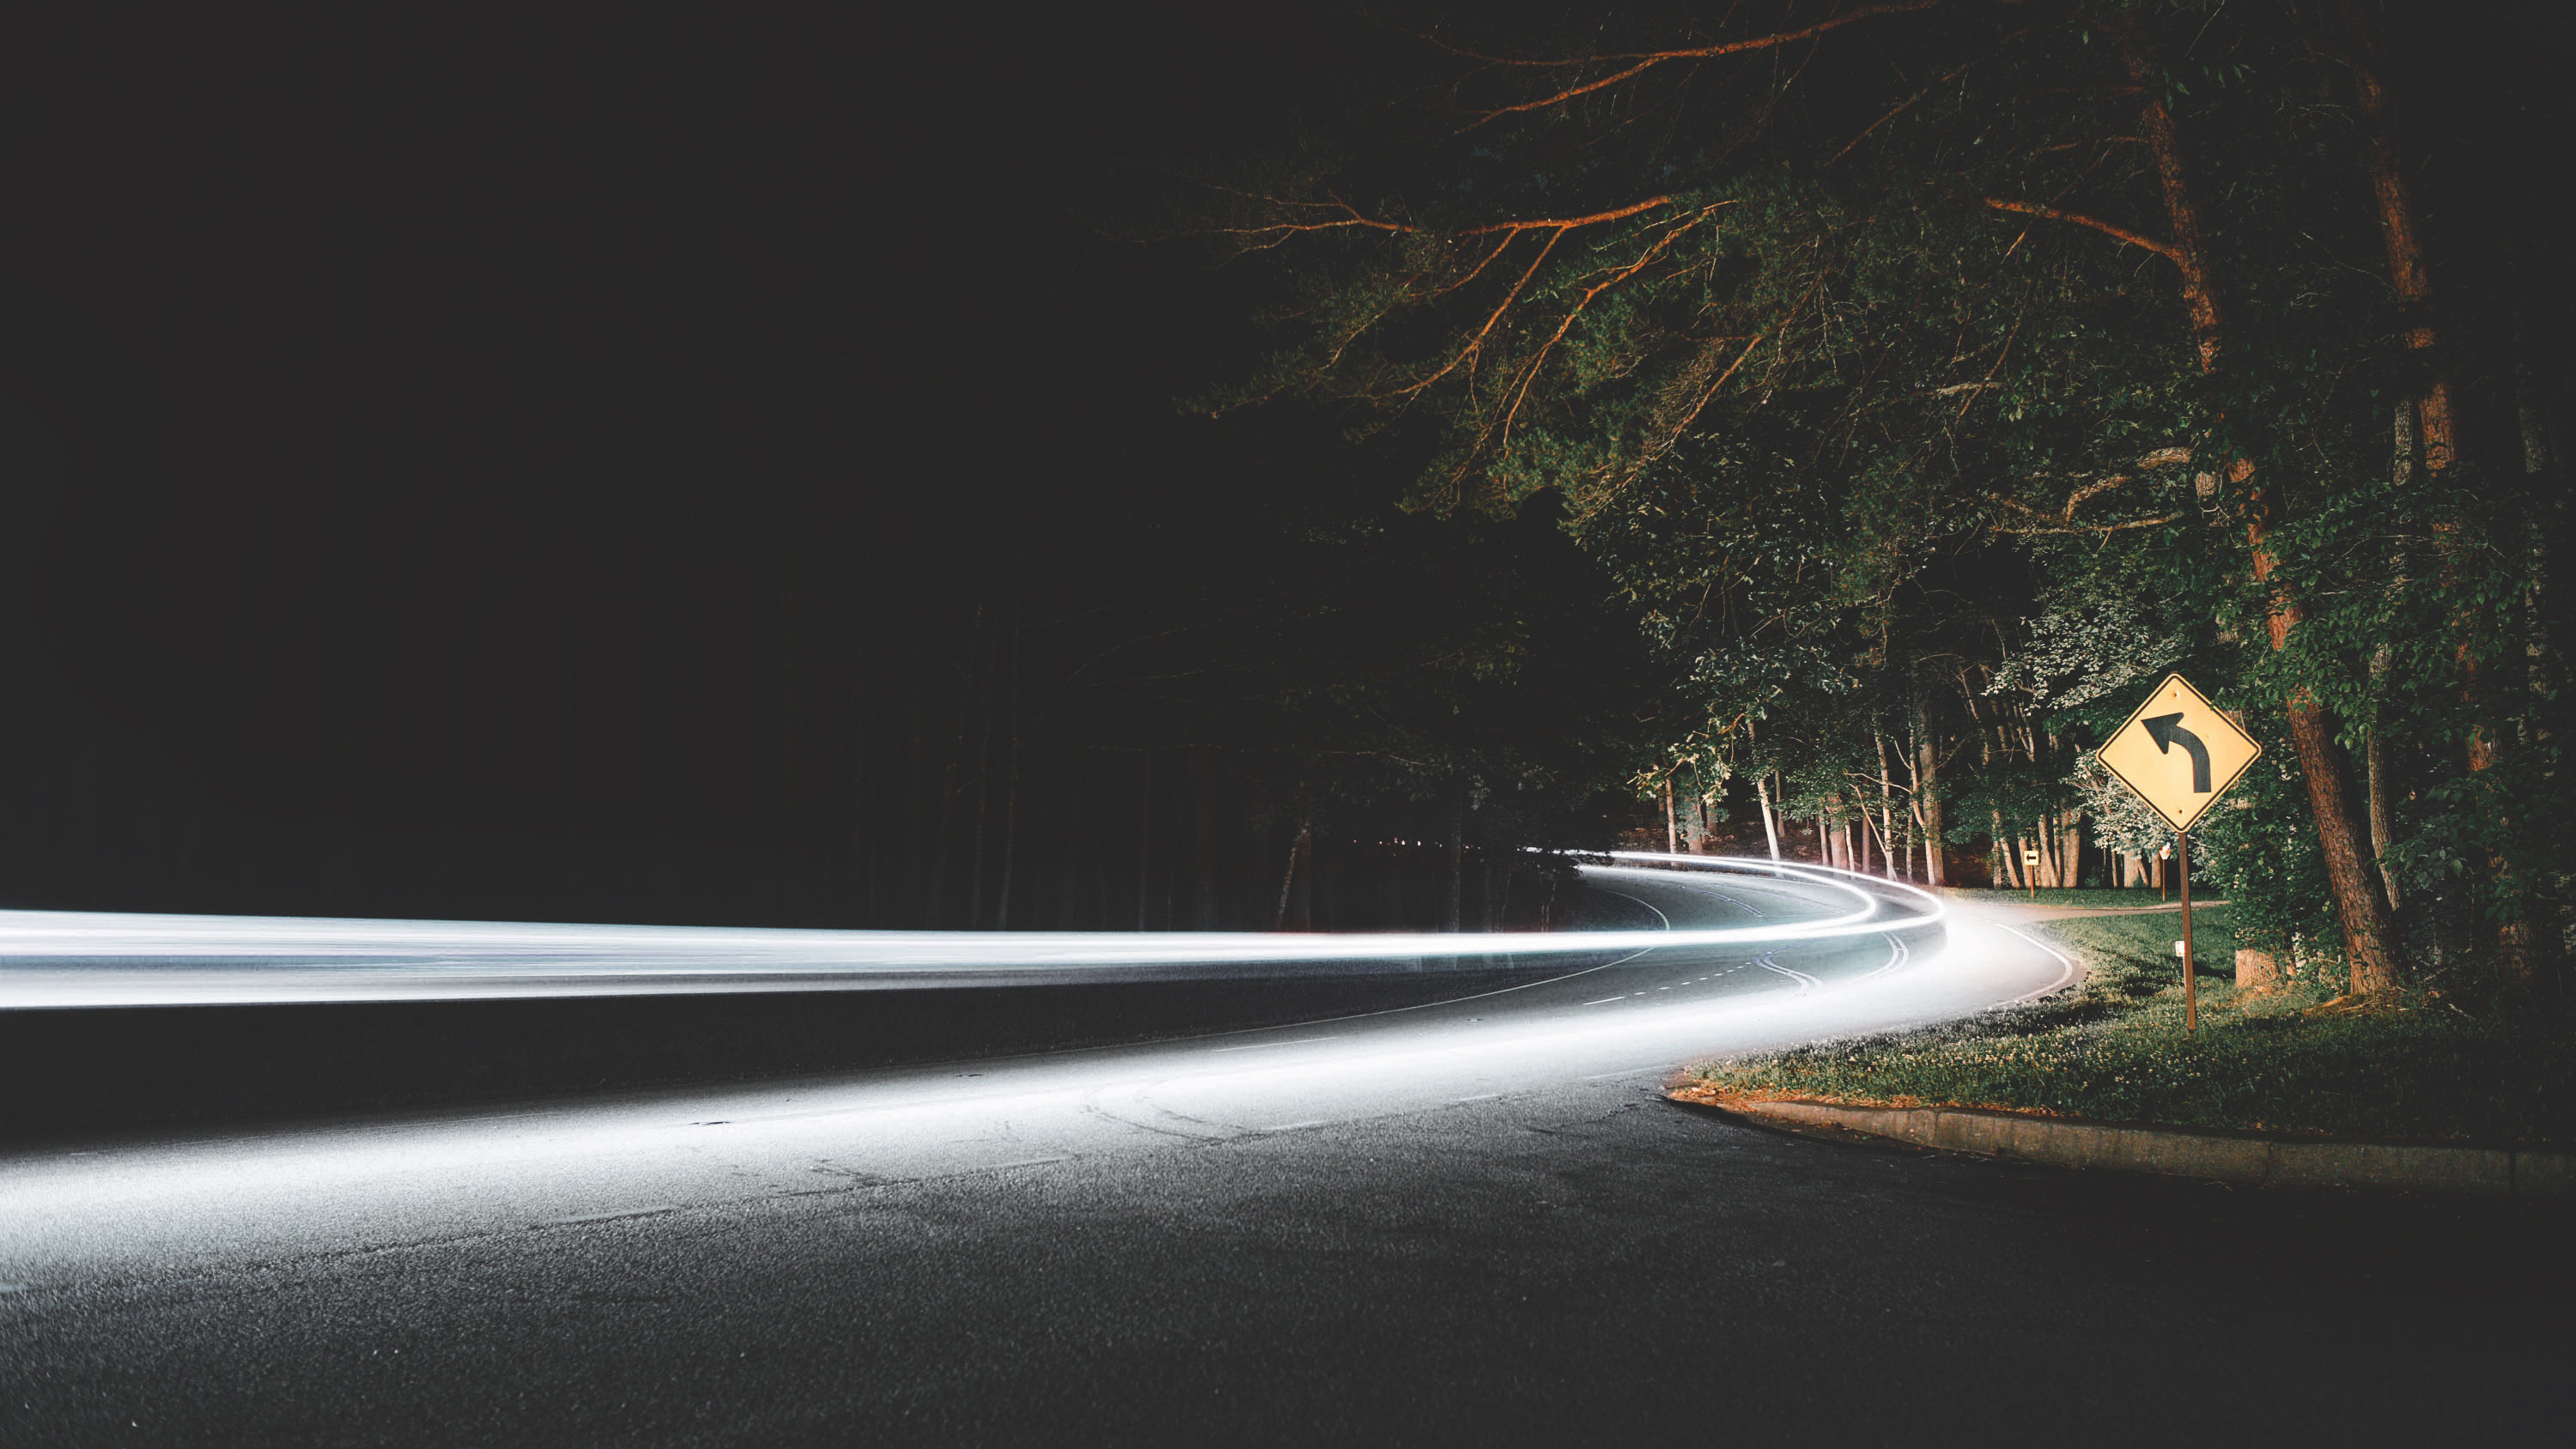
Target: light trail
x: 164, y: 1209
x: 80, y: 959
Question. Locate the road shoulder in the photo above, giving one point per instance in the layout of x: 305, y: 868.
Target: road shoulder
x: 2249, y: 1159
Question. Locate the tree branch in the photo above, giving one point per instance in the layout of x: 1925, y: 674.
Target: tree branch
x: 2165, y: 250
x: 1478, y: 341
x: 1569, y: 223
x: 1648, y: 60
x: 1537, y: 359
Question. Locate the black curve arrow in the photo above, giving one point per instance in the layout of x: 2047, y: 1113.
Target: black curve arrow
x: 2167, y: 731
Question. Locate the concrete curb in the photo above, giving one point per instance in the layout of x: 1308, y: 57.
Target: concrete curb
x: 2245, y: 1158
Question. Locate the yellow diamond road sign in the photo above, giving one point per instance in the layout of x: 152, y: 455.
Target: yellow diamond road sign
x: 2178, y: 753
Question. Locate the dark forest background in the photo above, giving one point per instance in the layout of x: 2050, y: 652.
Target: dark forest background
x: 722, y: 463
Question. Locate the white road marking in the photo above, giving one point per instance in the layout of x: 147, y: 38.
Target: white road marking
x: 2064, y: 978
x: 1806, y: 983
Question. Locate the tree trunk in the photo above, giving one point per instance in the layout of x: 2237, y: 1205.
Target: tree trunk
x: 1770, y: 830
x: 1309, y: 883
x: 1886, y: 807
x: 1203, y: 907
x: 2410, y: 272
x: 1672, y: 831
x: 2369, y: 939
x: 2410, y: 275
x: 2375, y: 760
x: 1145, y: 844
x: 1288, y: 882
x: 946, y: 800
x: 1927, y: 801
x: 1076, y: 803
x: 1449, y: 915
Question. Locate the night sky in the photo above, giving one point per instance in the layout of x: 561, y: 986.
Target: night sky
x: 471, y: 461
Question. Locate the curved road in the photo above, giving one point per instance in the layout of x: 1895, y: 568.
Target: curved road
x: 1474, y: 1221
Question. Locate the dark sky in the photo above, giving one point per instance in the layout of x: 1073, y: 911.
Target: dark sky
x: 508, y: 444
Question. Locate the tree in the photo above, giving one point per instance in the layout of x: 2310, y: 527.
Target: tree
x: 1799, y: 308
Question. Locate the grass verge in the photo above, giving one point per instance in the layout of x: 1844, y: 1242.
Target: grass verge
x: 2115, y: 1051
x: 2073, y: 897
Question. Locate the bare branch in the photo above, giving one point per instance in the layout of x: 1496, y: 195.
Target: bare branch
x: 1569, y: 223
x: 1900, y: 108
x: 1648, y: 60
x: 2165, y: 250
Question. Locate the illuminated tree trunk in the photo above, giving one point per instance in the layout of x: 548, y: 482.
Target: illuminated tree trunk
x: 1927, y: 800
x: 2375, y: 785
x: 1886, y: 807
x: 2410, y: 275
x: 1297, y: 849
x: 2368, y: 938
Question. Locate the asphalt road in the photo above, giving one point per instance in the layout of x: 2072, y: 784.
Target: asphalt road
x: 1472, y: 1222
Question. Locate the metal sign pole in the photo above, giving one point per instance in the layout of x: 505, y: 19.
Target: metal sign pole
x: 2190, y: 985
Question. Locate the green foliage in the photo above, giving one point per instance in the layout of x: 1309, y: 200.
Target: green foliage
x: 2115, y: 1050
x: 1884, y: 410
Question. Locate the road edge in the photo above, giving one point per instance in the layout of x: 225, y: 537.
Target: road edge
x: 2249, y: 1159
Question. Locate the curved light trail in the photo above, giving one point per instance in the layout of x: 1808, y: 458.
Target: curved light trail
x: 666, y: 1160
x: 79, y: 959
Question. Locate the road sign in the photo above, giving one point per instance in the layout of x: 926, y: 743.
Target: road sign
x: 2178, y: 753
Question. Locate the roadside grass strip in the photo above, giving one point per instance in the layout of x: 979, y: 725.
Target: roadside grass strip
x: 2087, y: 897
x: 2115, y: 1051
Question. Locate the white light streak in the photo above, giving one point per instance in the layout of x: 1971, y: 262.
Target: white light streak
x: 77, y: 959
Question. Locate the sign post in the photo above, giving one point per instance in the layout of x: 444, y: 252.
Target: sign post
x: 2030, y: 869
x: 2178, y: 754
x: 2190, y: 966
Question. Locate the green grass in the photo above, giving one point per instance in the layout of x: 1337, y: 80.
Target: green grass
x: 2115, y: 1051
x: 2073, y: 897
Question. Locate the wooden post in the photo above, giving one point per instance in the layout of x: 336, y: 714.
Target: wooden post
x: 2190, y: 985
